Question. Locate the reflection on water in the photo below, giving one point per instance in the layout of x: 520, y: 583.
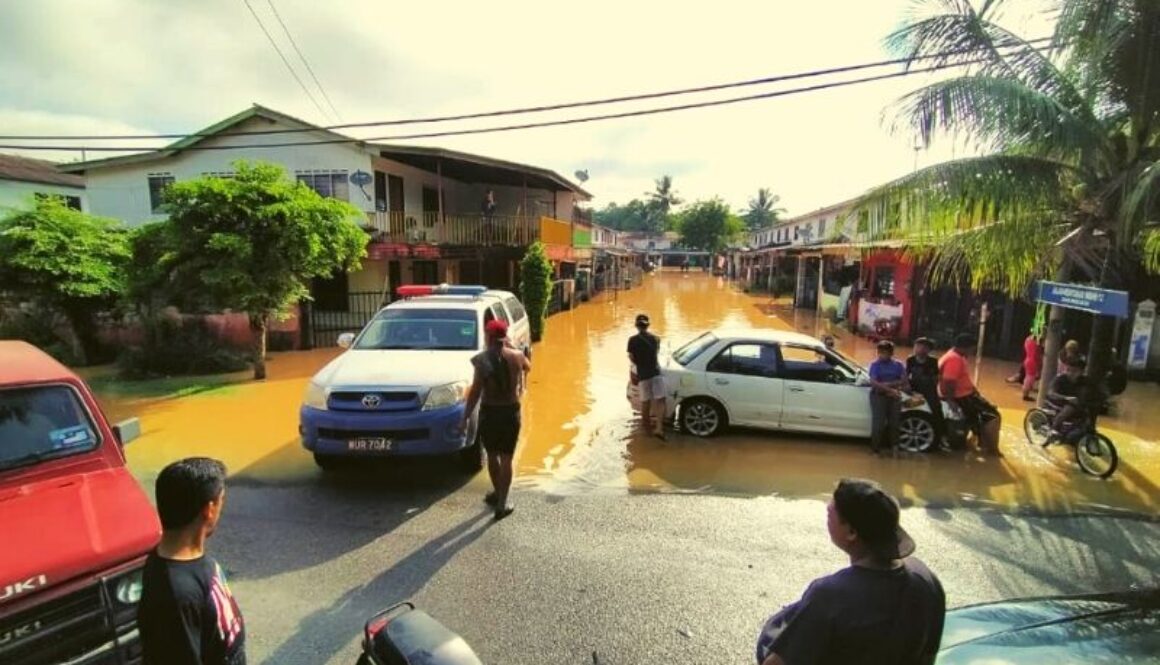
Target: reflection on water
x: 579, y: 434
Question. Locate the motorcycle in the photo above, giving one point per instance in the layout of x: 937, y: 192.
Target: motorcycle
x: 403, y: 635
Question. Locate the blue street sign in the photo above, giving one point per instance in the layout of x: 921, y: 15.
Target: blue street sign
x: 1085, y: 298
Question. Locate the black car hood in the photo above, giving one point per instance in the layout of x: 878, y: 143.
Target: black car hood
x: 1106, y: 628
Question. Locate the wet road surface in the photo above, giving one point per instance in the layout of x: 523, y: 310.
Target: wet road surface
x: 579, y: 435
x: 624, y: 546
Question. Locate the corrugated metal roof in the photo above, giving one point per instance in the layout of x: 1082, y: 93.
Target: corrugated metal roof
x: 27, y: 169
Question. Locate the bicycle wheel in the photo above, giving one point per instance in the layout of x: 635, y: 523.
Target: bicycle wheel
x: 1096, y: 455
x: 1037, y: 427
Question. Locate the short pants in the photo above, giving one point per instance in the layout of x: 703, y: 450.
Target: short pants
x: 652, y: 389
x: 977, y: 410
x: 499, y: 428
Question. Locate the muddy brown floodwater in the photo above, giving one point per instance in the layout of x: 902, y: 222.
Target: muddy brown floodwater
x: 579, y: 435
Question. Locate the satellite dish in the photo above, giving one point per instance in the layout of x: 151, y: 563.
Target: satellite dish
x: 582, y: 176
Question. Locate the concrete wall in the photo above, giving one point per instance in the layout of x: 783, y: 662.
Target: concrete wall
x: 18, y: 195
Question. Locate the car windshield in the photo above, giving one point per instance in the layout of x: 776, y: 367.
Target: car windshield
x: 43, y: 422
x: 424, y: 328
x: 694, y: 348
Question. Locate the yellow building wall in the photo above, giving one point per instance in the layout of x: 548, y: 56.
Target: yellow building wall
x: 555, y: 232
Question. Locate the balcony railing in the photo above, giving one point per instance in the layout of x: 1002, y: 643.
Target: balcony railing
x: 446, y: 229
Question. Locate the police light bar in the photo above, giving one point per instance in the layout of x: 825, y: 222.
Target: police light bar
x: 417, y: 290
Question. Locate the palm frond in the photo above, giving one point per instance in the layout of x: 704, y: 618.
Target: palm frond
x: 1151, y: 250
x: 1142, y: 203
x: 952, y: 197
x: 1004, y: 257
x: 1000, y: 113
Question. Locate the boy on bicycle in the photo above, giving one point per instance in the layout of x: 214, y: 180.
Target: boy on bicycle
x: 1069, y: 393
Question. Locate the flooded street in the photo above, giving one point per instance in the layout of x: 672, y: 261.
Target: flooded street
x: 579, y: 435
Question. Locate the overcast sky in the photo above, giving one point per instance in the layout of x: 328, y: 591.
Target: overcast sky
x: 149, y: 66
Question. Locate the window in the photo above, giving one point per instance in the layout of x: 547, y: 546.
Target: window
x: 746, y: 360
x: 689, y: 352
x: 332, y: 184
x: 73, y: 202
x: 158, y: 183
x: 822, y: 229
x: 883, y: 284
x: 42, y: 423
x: 516, y: 308
x: 500, y: 313
x: 800, y: 363
x: 863, y: 221
x: 796, y: 232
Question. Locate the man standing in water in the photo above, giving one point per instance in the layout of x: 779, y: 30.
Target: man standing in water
x: 500, y: 372
x: 922, y: 375
x: 644, y: 350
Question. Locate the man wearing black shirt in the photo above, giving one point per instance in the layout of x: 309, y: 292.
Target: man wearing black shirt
x: 643, y: 350
x: 1068, y: 392
x: 922, y: 373
x: 886, y: 607
x: 187, y: 614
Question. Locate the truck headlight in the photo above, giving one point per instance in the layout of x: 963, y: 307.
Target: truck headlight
x: 128, y: 590
x: 315, y: 396
x: 446, y: 395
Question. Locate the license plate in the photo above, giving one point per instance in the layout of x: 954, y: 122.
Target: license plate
x: 369, y: 445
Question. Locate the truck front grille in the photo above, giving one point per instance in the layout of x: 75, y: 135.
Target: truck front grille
x: 63, y: 630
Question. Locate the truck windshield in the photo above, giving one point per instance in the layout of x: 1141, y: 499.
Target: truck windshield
x: 43, y: 422
x: 449, y: 329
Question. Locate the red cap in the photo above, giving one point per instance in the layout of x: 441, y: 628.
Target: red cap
x: 496, y: 329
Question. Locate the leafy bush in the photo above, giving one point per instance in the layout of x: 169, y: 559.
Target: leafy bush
x: 536, y: 287
x: 39, y: 328
x: 174, y: 347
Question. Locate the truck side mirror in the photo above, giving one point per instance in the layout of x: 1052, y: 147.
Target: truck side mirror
x: 127, y: 430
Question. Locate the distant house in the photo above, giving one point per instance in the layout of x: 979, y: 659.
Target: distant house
x: 425, y: 217
x: 23, y: 179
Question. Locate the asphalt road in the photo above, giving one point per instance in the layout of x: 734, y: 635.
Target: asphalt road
x: 633, y: 578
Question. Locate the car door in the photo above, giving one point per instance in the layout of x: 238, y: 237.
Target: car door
x: 821, y: 393
x: 520, y: 329
x: 743, y: 376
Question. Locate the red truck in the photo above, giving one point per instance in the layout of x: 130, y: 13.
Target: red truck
x: 75, y: 526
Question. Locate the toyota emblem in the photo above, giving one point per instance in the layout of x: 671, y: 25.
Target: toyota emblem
x: 371, y: 401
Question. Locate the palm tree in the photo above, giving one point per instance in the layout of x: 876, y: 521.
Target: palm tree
x: 761, y: 212
x: 1067, y: 182
x: 661, y: 203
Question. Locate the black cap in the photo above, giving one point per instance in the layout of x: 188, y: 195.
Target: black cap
x: 963, y: 340
x: 874, y: 516
x: 924, y: 340
x: 642, y: 320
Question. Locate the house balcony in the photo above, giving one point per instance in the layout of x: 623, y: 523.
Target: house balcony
x: 432, y: 228
x: 470, y: 230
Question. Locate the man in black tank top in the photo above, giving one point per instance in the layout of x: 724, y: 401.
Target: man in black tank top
x: 496, y: 388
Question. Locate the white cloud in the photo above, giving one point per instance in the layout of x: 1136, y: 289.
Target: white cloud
x: 141, y: 65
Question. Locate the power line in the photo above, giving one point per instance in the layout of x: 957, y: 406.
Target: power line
x: 536, y: 109
x: 549, y: 123
x: 283, y: 56
x: 302, y: 57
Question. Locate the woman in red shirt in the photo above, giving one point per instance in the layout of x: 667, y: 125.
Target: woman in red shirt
x: 1032, y: 365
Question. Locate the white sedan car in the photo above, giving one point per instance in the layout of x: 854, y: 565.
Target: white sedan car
x: 777, y: 380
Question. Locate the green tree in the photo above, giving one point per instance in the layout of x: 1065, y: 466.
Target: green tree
x: 762, y: 212
x: 660, y: 204
x: 536, y: 287
x: 629, y: 217
x: 253, y: 242
x: 1068, y: 180
x: 65, y: 260
x: 709, y: 225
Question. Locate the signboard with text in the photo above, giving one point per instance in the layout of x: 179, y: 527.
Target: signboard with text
x: 1090, y: 299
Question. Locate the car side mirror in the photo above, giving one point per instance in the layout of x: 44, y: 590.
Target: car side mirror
x: 127, y: 430
x: 862, y: 379
x: 345, y: 340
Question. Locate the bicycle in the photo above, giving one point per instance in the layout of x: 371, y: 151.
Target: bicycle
x: 1094, y: 452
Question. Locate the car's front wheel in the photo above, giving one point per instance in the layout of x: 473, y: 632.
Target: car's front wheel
x: 916, y: 432
x: 702, y: 417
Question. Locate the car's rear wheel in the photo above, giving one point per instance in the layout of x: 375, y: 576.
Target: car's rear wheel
x: 916, y: 432
x: 702, y: 417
